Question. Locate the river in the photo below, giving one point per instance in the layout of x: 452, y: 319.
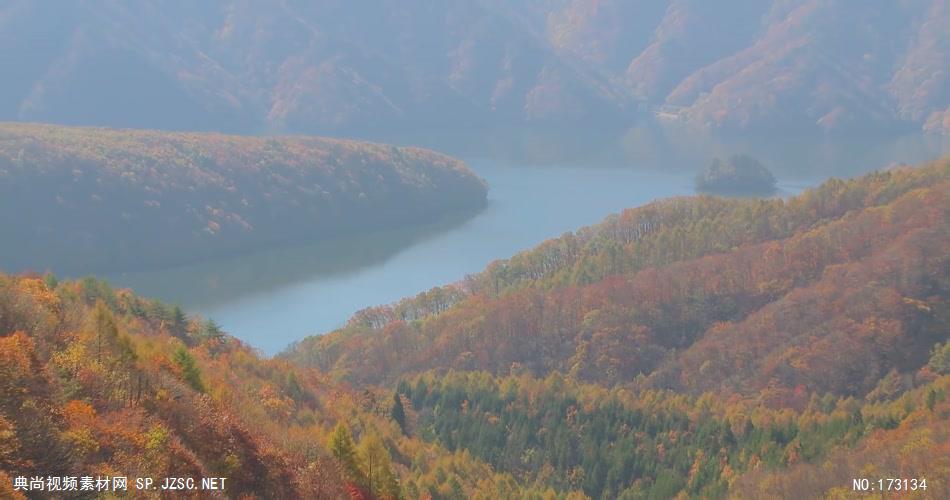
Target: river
x: 273, y: 298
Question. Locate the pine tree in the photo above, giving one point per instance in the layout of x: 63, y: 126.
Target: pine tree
x: 399, y: 413
x: 50, y: 280
x: 179, y: 322
x: 212, y: 330
x: 293, y: 387
x: 104, y: 326
x: 189, y: 369
x: 341, y: 445
x: 377, y: 467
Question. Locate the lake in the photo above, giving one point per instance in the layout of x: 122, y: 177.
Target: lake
x: 273, y: 298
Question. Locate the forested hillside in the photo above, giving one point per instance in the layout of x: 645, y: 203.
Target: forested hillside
x: 100, y: 382
x: 696, y: 347
x: 731, y: 287
x: 660, y: 444
x: 130, y: 198
x: 95, y: 381
x: 332, y: 67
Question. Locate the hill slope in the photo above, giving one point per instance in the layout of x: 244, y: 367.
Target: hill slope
x: 128, y: 198
x: 343, y: 67
x: 101, y: 382
x: 694, y: 294
x: 699, y: 347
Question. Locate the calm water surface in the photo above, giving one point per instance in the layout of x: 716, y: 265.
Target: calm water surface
x: 273, y: 298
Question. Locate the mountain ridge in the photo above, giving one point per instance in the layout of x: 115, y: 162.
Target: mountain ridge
x: 477, y: 66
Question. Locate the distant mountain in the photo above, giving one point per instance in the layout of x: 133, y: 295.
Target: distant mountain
x: 389, y: 66
x: 335, y: 66
x: 779, y: 65
x: 132, y: 198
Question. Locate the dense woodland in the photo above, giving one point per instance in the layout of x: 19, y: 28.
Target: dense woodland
x: 696, y: 347
x: 834, y: 299
x: 96, y: 381
x: 830, y: 290
x: 131, y: 198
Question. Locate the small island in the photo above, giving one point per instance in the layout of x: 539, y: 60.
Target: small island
x: 740, y: 175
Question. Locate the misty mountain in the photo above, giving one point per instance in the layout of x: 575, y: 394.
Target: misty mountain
x: 371, y: 68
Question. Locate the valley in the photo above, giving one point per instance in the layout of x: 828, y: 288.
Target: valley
x: 769, y: 351
x: 270, y: 299
x: 475, y: 249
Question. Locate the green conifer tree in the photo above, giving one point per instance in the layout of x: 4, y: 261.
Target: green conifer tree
x: 377, y: 467
x: 399, y: 413
x: 342, y: 448
x: 189, y: 369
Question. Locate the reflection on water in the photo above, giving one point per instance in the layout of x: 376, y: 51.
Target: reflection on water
x: 274, y: 298
x: 207, y: 285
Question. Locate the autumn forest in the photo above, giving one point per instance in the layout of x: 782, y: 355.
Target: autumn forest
x: 475, y: 249
x: 704, y: 347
